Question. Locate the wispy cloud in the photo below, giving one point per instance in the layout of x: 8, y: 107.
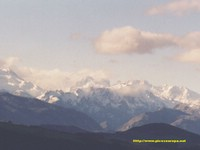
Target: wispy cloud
x: 190, y: 43
x: 177, y: 7
x: 131, y: 40
x: 192, y: 56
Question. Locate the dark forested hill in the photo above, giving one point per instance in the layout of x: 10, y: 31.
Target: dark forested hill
x: 19, y: 137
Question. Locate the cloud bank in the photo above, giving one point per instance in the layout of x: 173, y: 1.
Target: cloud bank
x: 51, y: 79
x: 177, y: 7
x: 9, y: 62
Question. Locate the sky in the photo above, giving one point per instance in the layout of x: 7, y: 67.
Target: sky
x: 56, y: 43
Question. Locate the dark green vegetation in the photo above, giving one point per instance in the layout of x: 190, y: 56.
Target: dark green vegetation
x: 19, y: 137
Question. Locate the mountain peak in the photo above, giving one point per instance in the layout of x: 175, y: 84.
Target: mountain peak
x: 14, y: 84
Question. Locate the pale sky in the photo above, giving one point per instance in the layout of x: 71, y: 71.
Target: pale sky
x: 55, y: 42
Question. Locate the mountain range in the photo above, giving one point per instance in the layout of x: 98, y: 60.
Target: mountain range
x: 31, y: 111
x: 112, y: 106
x: 119, y: 106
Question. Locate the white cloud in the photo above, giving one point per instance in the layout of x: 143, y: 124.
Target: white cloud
x: 131, y: 40
x: 51, y: 79
x: 177, y: 7
x: 57, y: 79
x: 190, y: 43
x: 127, y: 40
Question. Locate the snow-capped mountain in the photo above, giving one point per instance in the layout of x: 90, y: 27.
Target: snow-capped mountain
x: 180, y: 94
x: 12, y: 83
x: 172, y: 93
x: 111, y: 106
